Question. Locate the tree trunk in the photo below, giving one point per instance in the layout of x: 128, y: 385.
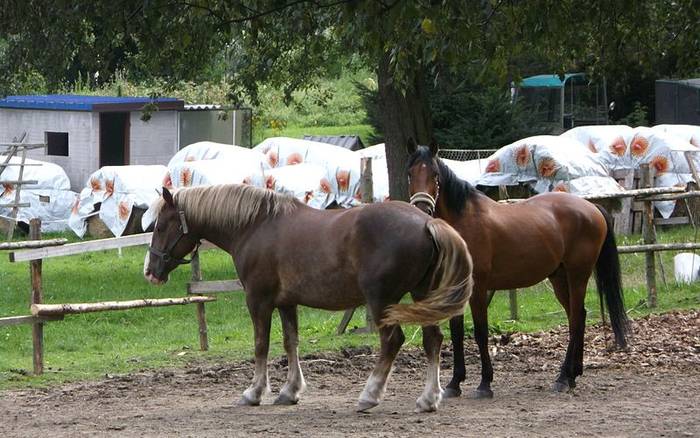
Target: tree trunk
x: 404, y: 115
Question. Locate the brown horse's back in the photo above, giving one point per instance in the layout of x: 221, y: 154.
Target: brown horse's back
x: 520, y: 244
x: 337, y: 251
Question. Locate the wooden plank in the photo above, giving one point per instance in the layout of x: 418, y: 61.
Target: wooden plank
x: 27, y: 146
x: 18, y: 190
x: 213, y: 287
x: 671, y: 221
x: 201, y: 314
x: 513, y: 302
x: 20, y: 182
x: 3, y: 165
x: 672, y: 196
x: 75, y: 308
x: 32, y: 244
x: 28, y: 319
x: 636, y: 192
x: 649, y: 234
x: 37, y: 298
x: 81, y: 247
x: 623, y: 221
x: 347, y: 316
x: 367, y: 195
x: 15, y: 205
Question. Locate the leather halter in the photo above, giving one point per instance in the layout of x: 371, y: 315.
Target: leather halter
x: 427, y: 198
x: 164, y: 257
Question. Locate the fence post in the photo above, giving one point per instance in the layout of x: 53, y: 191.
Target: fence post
x: 367, y: 196
x: 649, y: 234
x: 37, y: 298
x: 201, y: 314
x: 513, y: 295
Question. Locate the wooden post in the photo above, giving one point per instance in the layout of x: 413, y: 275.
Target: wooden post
x: 513, y: 295
x: 37, y: 298
x: 649, y: 233
x: 367, y: 197
x: 623, y: 218
x: 201, y: 315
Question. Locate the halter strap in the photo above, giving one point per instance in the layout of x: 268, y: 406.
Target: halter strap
x: 164, y: 256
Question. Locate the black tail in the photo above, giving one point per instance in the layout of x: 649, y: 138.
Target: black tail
x: 609, y: 283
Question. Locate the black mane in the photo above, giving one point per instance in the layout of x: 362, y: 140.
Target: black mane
x: 456, y: 191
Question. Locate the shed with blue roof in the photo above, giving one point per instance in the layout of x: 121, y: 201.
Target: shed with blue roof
x: 85, y: 133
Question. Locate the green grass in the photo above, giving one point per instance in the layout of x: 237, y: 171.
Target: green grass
x: 91, y: 345
x: 364, y: 131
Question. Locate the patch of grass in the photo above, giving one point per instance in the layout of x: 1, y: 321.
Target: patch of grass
x: 91, y: 345
x: 364, y: 131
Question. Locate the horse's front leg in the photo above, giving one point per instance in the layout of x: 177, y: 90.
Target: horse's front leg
x: 432, y: 395
x: 295, y: 385
x: 391, y: 339
x: 458, y: 371
x: 261, y: 314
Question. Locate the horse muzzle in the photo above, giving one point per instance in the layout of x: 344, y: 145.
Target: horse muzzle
x: 424, y: 201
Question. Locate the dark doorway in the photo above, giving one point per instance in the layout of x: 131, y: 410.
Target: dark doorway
x: 114, y: 139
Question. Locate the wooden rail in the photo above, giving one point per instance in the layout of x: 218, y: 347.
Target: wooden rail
x: 75, y: 308
x: 81, y: 247
x: 26, y: 244
x: 28, y: 319
x: 213, y: 287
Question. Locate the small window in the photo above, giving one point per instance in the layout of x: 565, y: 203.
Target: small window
x: 57, y: 143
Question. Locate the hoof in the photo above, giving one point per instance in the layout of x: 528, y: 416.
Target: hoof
x: 245, y: 401
x: 425, y: 405
x: 366, y: 405
x: 561, y: 387
x: 451, y: 392
x: 483, y: 394
x: 284, y: 399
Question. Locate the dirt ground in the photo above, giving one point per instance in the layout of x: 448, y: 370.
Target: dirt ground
x: 650, y: 390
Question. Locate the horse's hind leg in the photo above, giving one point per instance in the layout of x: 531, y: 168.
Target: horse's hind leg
x: 295, y: 384
x: 391, y: 338
x: 261, y: 314
x: 432, y: 341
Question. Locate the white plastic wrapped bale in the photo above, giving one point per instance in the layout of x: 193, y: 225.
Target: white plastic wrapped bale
x: 610, y: 143
x: 306, y: 182
x: 342, y: 165
x: 207, y: 150
x: 542, y: 161
x: 689, y: 133
x: 209, y: 172
x: 686, y: 267
x: 50, y: 199
x: 470, y: 170
x: 118, y: 189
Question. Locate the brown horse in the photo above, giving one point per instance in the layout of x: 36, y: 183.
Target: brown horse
x: 553, y: 235
x: 288, y: 254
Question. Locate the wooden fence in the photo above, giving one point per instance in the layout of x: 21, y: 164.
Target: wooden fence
x: 34, y: 251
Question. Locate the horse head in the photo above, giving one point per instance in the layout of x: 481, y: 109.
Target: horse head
x: 423, y: 176
x: 170, y: 243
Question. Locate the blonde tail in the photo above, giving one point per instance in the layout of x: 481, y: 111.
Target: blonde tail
x: 453, y: 276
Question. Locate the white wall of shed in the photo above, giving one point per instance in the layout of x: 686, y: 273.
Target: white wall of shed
x: 83, y: 138
x: 154, y: 141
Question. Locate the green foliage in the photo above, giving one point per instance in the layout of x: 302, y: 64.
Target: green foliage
x: 467, y: 116
x: 638, y: 117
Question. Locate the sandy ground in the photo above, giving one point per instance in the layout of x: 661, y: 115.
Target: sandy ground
x: 652, y: 389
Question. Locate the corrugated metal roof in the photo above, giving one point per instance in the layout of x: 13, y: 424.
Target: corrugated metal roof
x: 73, y: 102
x: 352, y: 142
x: 202, y: 107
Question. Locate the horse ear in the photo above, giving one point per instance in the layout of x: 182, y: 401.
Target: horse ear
x: 168, y: 197
x: 411, y: 145
x: 433, y: 147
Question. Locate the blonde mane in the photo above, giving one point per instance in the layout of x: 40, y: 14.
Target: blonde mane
x: 229, y: 206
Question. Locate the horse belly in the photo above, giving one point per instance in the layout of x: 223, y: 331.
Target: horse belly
x: 322, y: 290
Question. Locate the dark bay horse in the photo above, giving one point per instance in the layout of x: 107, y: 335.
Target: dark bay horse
x: 553, y: 235
x: 288, y: 254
